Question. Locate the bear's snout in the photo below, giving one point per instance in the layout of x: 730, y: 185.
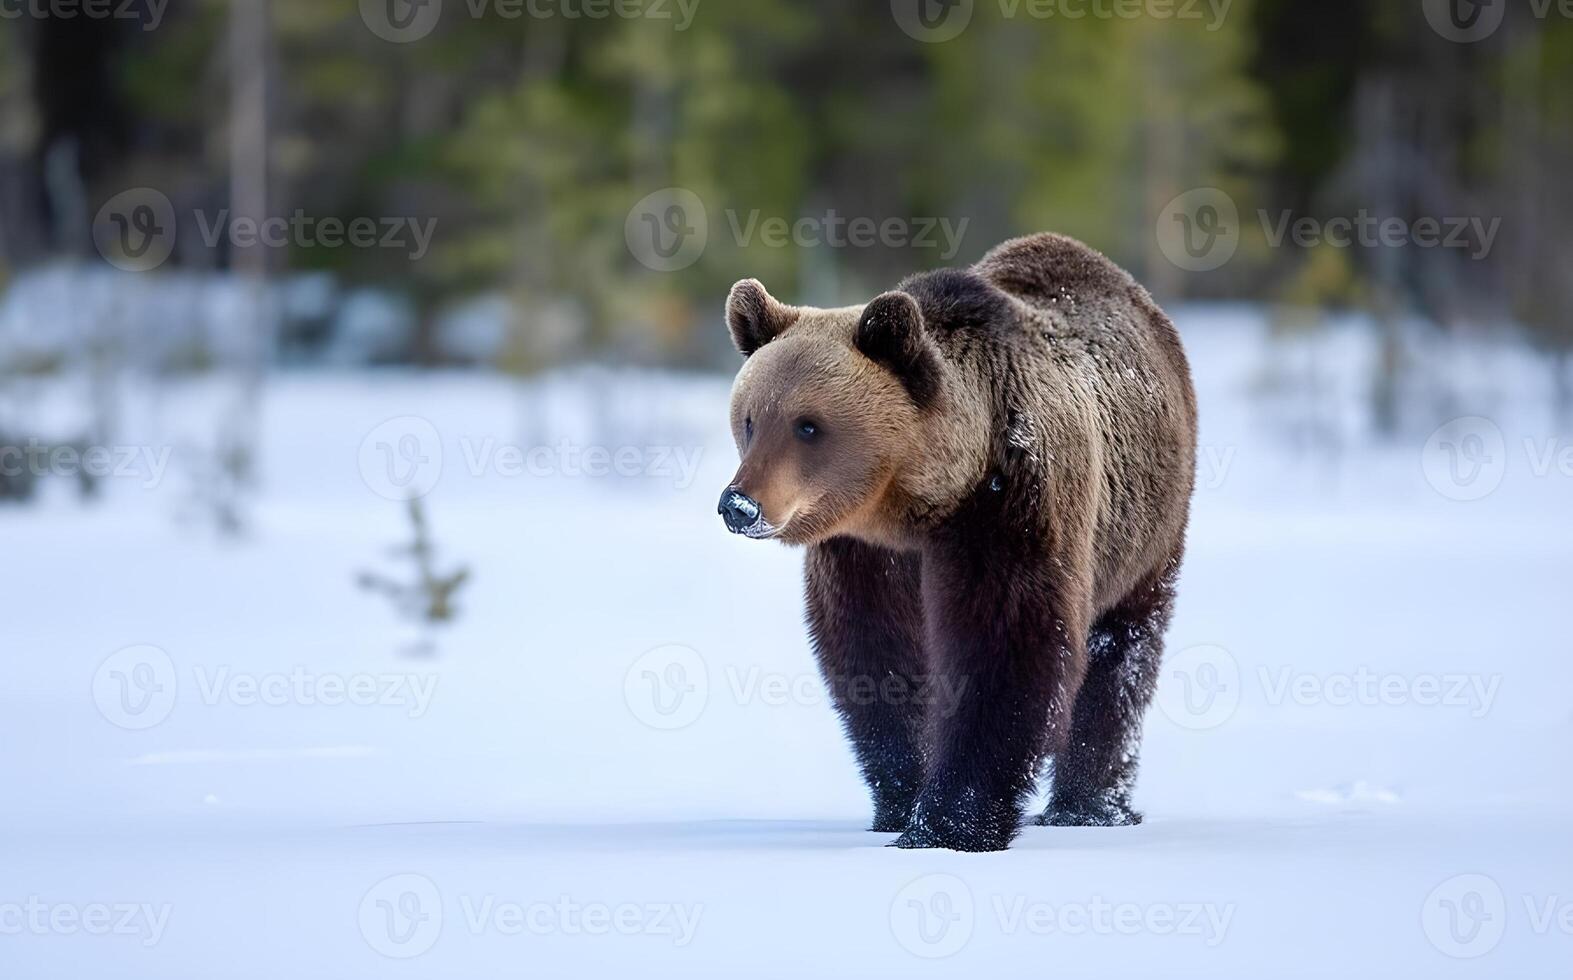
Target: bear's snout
x: 738, y: 510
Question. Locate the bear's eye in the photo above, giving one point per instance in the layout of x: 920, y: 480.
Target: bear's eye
x: 748, y: 428
x: 806, y: 430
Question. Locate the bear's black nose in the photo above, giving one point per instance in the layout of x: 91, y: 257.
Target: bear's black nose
x: 738, y: 510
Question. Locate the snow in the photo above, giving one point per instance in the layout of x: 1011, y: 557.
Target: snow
x: 619, y: 757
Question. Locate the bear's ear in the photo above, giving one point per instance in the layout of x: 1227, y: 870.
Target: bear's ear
x: 890, y: 331
x: 755, y: 317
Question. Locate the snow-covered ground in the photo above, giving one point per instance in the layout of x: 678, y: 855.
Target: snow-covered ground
x: 227, y: 759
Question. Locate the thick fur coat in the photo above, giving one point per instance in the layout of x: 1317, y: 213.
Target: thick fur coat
x: 992, y: 470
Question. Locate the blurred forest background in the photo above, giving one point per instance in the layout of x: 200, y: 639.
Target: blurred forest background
x: 528, y: 139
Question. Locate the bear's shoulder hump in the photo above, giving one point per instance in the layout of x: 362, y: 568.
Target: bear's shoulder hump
x: 958, y: 299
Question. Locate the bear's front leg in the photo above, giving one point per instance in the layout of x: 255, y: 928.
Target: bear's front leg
x: 866, y: 620
x: 1012, y: 638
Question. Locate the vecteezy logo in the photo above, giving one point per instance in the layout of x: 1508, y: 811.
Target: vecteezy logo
x: 932, y: 916
x: 1465, y: 21
x: 932, y: 20
x: 667, y: 687
x: 1465, y: 459
x: 667, y: 231
x: 1199, y: 230
x: 135, y: 687
x: 135, y: 229
x: 1465, y: 916
x: 401, y: 458
x: 401, y: 21
x: 401, y: 916
x: 1199, y: 687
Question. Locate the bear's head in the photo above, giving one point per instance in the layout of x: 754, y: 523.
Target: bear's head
x: 826, y: 409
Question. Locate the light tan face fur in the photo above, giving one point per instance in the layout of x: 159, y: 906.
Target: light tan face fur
x: 834, y: 480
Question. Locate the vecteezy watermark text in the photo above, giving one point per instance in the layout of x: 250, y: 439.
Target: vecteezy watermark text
x: 669, y: 229
x: 301, y: 230
x: 136, y: 230
x: 36, y: 917
x: 1211, y: 11
x: 404, y: 21
x: 834, y: 230
x: 567, y: 916
x: 145, y: 463
x: 940, y: 694
x: 934, y: 21
x: 1365, y: 230
x: 1475, y: 693
x: 149, y: 12
x: 1200, y: 230
x: 403, y: 915
x: 935, y: 916
x: 1201, y: 688
x: 669, y: 687
x: 404, y: 457
x: 309, y: 688
x: 137, y: 687
x: 570, y: 459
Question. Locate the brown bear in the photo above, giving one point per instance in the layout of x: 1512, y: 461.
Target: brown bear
x: 992, y: 471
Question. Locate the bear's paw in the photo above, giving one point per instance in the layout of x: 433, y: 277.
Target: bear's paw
x: 958, y: 828
x: 1101, y: 812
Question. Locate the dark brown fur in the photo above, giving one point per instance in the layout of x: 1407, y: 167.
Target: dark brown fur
x: 997, y: 497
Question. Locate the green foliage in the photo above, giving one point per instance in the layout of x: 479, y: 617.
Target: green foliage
x: 529, y: 139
